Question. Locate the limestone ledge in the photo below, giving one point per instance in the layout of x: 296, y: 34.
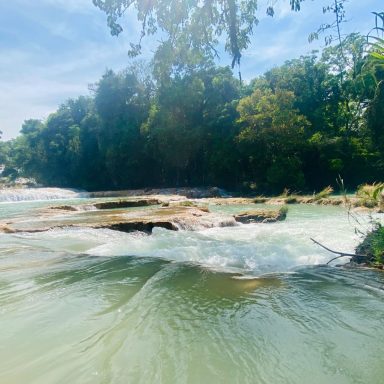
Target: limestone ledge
x: 135, y: 215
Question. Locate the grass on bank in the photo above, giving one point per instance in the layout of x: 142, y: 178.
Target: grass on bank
x: 373, y: 246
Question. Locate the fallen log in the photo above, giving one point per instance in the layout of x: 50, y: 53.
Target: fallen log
x: 341, y: 254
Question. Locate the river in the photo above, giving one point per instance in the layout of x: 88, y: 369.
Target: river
x: 247, y: 304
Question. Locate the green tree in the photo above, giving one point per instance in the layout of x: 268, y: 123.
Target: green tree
x: 4, y: 152
x: 190, y: 128
x: 28, y: 153
x: 51, y: 151
x: 306, y: 77
x: 122, y: 103
x: 194, y: 25
x: 219, y: 154
x: 173, y: 130
x: 299, y: 126
x: 345, y: 63
x: 271, y: 139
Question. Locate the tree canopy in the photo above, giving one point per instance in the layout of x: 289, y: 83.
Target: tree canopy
x: 189, y: 25
x: 297, y: 126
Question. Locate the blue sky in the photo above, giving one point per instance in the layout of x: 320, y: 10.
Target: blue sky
x: 51, y: 50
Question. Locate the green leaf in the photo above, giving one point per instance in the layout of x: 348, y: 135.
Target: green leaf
x: 377, y: 55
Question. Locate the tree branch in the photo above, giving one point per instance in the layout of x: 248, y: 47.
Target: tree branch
x: 341, y: 254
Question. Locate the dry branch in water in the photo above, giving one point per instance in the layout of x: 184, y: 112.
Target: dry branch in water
x: 341, y: 254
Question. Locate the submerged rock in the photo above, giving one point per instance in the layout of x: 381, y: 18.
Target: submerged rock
x: 5, y: 228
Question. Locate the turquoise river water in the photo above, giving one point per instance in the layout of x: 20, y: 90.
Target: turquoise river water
x: 247, y: 304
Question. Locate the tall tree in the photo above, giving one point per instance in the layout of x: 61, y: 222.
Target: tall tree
x: 271, y: 139
x: 122, y: 102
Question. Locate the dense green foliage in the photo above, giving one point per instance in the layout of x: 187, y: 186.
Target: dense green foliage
x: 373, y: 246
x: 190, y: 29
x: 298, y: 126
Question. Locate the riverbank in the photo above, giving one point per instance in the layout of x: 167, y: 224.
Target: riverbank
x: 362, y: 198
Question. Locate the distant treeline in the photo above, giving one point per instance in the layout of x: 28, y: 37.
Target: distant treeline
x: 298, y: 126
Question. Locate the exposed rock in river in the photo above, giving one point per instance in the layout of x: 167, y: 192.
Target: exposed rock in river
x: 119, y: 204
x: 261, y: 216
x: 169, y: 212
x: 172, y: 218
x: 65, y: 208
x: 126, y: 203
x: 142, y: 226
x: 191, y: 193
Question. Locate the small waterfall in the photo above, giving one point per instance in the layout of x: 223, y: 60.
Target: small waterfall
x: 31, y: 194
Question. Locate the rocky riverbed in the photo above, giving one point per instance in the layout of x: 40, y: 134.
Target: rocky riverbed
x: 138, y: 214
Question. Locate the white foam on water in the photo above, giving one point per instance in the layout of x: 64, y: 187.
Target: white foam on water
x: 256, y: 248
x: 250, y: 248
x: 38, y: 194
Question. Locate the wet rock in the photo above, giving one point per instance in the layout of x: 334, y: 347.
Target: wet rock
x: 276, y: 201
x: 65, y: 208
x: 298, y: 199
x: 198, y: 219
x: 189, y: 203
x: 230, y: 201
x: 171, y: 218
x: 260, y: 200
x: 126, y: 203
x: 191, y: 193
x: 261, y: 216
x: 291, y: 200
x: 142, y: 226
